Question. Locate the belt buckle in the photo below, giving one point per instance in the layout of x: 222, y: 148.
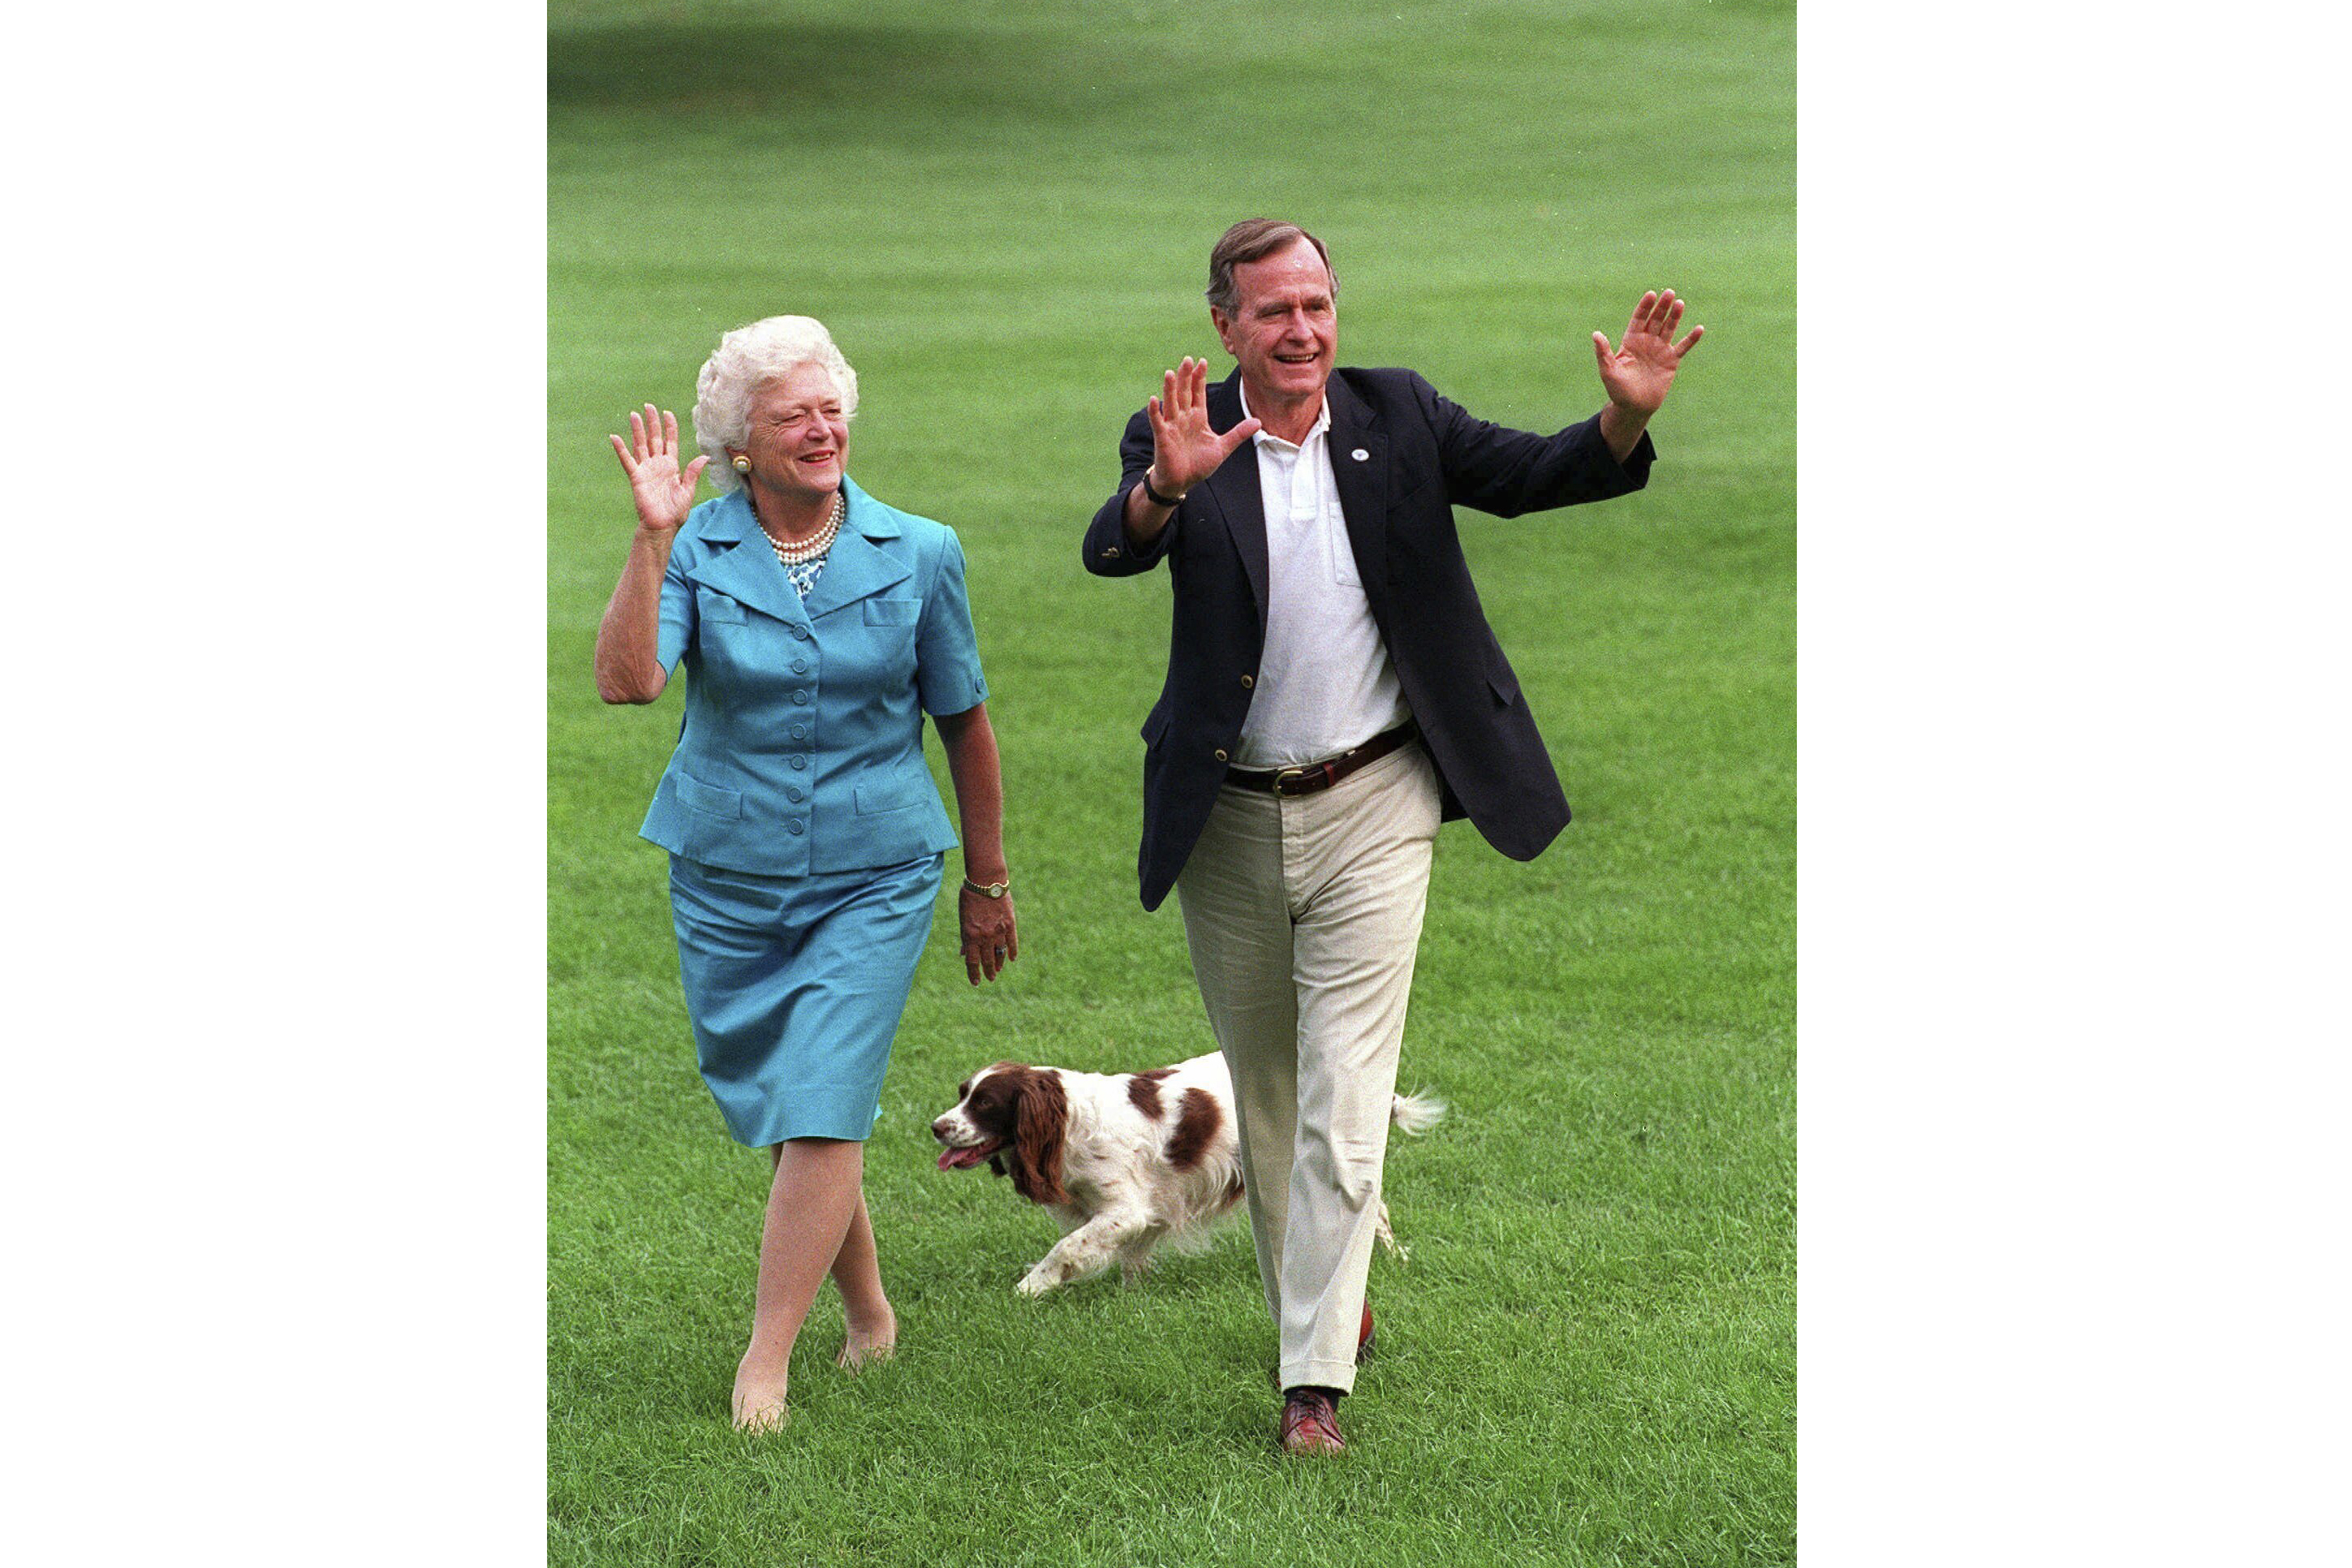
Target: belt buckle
x: 1285, y: 775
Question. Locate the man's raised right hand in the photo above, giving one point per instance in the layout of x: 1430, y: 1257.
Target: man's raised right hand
x: 1184, y: 450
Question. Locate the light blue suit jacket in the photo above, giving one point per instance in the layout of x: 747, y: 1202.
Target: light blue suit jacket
x: 802, y: 748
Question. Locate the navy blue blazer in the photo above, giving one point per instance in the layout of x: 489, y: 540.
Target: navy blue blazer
x: 1403, y: 458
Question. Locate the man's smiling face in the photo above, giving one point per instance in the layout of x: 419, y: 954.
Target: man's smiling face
x: 1284, y: 330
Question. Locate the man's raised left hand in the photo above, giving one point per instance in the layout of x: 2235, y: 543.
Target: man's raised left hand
x: 1638, y: 373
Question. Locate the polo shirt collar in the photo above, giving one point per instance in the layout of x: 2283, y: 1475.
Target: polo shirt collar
x: 1322, y: 418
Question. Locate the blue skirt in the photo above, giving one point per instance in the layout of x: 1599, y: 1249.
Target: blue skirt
x: 795, y: 985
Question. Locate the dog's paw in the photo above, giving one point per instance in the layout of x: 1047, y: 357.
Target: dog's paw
x: 1037, y: 1281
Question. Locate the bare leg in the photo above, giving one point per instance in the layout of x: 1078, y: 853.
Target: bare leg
x: 810, y: 1206
x: 873, y: 1326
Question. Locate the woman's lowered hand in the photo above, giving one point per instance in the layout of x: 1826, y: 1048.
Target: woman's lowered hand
x: 989, y: 939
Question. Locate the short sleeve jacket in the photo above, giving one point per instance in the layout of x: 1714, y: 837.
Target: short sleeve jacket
x: 802, y: 748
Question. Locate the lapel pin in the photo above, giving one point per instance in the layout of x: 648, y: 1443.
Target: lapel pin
x: 1360, y: 454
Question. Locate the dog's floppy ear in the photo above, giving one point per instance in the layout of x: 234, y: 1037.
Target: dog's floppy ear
x: 1041, y: 1114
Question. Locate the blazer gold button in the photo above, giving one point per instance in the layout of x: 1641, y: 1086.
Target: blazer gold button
x: 1360, y: 454
x: 1249, y: 681
x: 1112, y: 554
x: 1220, y: 754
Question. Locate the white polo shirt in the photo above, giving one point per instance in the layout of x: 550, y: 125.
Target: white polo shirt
x: 1326, y: 683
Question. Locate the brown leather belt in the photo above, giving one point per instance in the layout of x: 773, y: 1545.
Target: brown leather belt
x: 1309, y: 777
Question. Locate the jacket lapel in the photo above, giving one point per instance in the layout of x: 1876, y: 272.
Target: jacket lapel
x: 856, y: 568
x: 745, y: 569
x: 1235, y: 488
x: 1363, y: 482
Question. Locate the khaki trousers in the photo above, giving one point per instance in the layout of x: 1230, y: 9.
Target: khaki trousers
x: 1303, y: 916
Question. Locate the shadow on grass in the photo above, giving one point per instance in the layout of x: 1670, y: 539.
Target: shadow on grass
x: 846, y: 84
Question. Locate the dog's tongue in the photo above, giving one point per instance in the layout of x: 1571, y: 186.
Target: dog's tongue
x: 962, y: 1159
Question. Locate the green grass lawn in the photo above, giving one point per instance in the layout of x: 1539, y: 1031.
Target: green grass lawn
x: 1004, y: 212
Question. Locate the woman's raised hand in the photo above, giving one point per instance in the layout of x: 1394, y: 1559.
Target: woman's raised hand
x: 1184, y: 450
x: 663, y: 494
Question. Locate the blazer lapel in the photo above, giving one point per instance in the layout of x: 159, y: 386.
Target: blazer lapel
x: 1360, y: 467
x: 856, y: 568
x: 747, y: 569
x: 1235, y: 488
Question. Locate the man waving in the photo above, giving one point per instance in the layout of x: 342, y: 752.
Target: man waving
x: 1333, y: 692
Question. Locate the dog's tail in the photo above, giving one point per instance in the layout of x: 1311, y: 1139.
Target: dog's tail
x: 1415, y: 1113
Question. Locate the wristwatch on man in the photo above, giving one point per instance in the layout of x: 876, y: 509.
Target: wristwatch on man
x: 1152, y: 492
x: 988, y: 889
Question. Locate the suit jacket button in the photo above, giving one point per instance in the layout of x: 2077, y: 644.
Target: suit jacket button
x: 1112, y: 554
x: 1249, y: 681
x: 1220, y: 754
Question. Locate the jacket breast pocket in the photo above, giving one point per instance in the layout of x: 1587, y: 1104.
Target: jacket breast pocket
x: 715, y: 607
x: 888, y: 633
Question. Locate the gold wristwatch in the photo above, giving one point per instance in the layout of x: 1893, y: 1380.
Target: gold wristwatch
x: 988, y: 889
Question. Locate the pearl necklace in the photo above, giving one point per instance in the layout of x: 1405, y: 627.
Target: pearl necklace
x: 816, y: 544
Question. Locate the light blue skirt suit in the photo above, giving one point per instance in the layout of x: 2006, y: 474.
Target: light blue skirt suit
x: 807, y: 838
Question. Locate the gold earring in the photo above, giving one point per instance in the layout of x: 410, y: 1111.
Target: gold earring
x: 742, y: 465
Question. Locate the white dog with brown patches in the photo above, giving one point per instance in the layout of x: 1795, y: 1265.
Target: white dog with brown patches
x: 1122, y: 1160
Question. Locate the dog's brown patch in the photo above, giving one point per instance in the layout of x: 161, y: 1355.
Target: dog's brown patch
x: 1143, y: 1093
x: 1028, y: 1110
x: 1197, y: 1120
x: 1041, y: 1117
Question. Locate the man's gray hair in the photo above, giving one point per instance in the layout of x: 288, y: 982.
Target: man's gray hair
x: 1255, y: 239
x: 747, y: 359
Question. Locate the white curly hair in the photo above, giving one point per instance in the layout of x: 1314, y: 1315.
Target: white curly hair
x: 745, y: 360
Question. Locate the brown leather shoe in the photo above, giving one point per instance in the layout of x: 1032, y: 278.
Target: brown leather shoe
x: 1309, y: 1424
